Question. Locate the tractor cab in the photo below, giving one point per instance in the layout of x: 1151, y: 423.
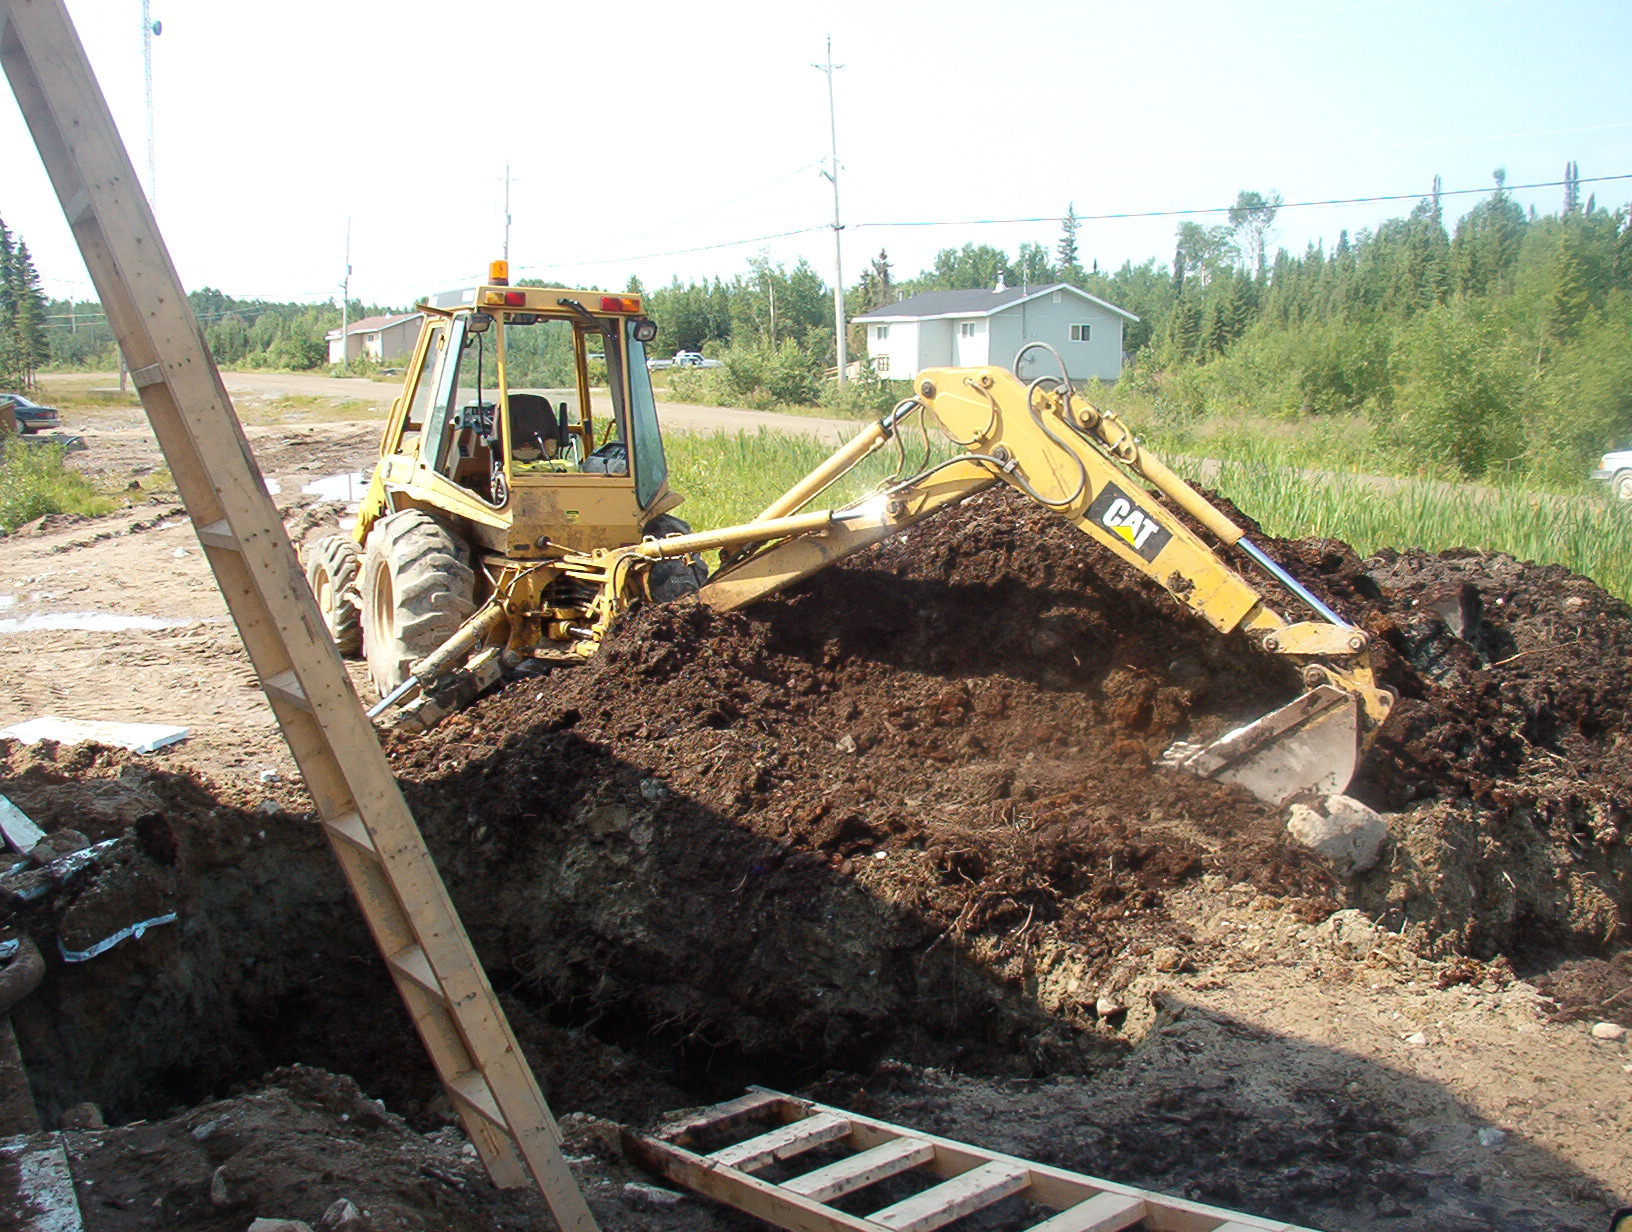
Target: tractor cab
x: 528, y: 417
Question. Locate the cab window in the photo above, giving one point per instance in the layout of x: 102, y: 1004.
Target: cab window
x: 414, y: 422
x: 651, y: 468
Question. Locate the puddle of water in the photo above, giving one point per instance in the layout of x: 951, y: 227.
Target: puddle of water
x: 341, y: 489
x: 89, y: 622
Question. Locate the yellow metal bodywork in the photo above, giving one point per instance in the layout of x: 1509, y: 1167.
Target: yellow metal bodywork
x: 551, y: 508
x: 561, y: 595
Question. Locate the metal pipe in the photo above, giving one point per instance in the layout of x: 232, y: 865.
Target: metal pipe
x: 844, y: 459
x: 815, y: 483
x: 1292, y: 583
x: 447, y: 654
x: 756, y: 531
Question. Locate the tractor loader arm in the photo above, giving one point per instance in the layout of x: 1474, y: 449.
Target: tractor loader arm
x: 1085, y: 466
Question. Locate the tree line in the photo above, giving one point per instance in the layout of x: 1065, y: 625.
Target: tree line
x: 23, y: 346
x: 241, y: 333
x: 1494, y: 343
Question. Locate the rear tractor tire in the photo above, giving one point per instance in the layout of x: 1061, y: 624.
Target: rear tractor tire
x: 332, y: 566
x: 673, y: 579
x: 418, y: 588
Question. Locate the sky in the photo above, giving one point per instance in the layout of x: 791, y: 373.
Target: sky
x: 660, y: 141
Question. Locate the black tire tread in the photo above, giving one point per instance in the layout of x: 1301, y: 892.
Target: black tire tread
x: 339, y: 559
x: 432, y: 585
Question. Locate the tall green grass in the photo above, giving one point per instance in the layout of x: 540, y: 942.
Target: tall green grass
x: 34, y: 482
x: 1588, y: 533
x: 727, y: 479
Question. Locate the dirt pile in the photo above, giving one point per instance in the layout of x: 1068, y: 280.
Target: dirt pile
x: 909, y: 812
x: 906, y: 809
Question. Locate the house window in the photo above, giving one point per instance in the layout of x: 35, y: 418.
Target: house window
x: 1082, y: 333
x: 880, y: 332
x: 966, y: 329
x: 1056, y: 297
x: 881, y: 365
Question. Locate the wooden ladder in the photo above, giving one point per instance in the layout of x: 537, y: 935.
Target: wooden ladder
x: 951, y: 1180
x: 362, y: 811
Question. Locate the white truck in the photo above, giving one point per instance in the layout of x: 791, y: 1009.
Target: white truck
x: 682, y: 359
x: 1615, y: 469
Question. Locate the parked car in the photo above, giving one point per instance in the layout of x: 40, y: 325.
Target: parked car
x: 31, y: 416
x: 1615, y: 469
x: 682, y: 359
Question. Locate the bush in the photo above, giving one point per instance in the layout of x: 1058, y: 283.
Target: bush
x: 1463, y: 384
x: 1585, y: 397
x: 759, y: 376
x: 34, y: 482
x: 867, y: 397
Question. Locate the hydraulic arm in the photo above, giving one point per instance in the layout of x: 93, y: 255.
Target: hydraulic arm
x: 1072, y: 458
x: 1084, y: 465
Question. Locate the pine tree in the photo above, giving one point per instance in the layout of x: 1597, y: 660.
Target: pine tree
x: 28, y: 321
x: 11, y: 367
x: 1069, y: 269
x: 1572, y: 188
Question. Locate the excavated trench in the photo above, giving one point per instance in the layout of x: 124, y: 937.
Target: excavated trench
x: 908, y: 812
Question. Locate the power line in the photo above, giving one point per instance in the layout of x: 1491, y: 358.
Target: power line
x: 1107, y: 217
x: 1225, y: 209
x: 985, y: 222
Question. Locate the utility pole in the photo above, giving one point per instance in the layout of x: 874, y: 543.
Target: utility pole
x: 345, y: 304
x: 149, y: 29
x: 832, y: 173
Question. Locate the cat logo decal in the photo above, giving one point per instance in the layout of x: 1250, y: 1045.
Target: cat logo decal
x: 1117, y: 512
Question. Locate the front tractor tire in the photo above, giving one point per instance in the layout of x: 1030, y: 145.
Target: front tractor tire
x: 1623, y: 485
x: 673, y: 579
x: 332, y: 566
x: 418, y: 588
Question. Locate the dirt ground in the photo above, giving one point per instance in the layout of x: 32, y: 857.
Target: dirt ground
x: 894, y: 840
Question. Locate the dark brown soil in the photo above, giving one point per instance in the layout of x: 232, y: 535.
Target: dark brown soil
x: 909, y: 811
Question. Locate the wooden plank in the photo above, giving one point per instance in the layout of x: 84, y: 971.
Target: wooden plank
x: 858, y: 1171
x: 332, y: 740
x: 217, y: 535
x: 1056, y: 1187
x: 962, y: 1195
x: 783, y: 1143
x: 410, y: 961
x: 349, y: 826
x: 471, y: 1089
x: 755, y: 1106
x: 761, y: 1199
x: 285, y: 686
x: 1106, y: 1212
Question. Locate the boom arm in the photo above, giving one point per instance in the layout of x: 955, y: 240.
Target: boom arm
x: 1085, y: 466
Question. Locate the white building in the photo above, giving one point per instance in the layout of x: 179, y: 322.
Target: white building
x: 380, y: 338
x: 969, y: 329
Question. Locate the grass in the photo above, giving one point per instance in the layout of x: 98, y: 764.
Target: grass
x: 728, y: 479
x: 34, y: 482
x: 1588, y: 534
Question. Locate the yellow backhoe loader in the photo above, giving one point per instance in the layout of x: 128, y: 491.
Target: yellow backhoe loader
x: 503, y: 530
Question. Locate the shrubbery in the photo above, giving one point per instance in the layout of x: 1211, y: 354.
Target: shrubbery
x: 34, y: 482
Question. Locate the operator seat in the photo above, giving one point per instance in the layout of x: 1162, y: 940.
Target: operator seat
x: 536, y: 431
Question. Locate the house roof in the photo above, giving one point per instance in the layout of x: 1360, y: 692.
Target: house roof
x: 369, y: 325
x: 980, y: 303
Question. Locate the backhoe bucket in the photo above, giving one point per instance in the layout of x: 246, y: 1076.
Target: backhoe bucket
x: 1310, y: 744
